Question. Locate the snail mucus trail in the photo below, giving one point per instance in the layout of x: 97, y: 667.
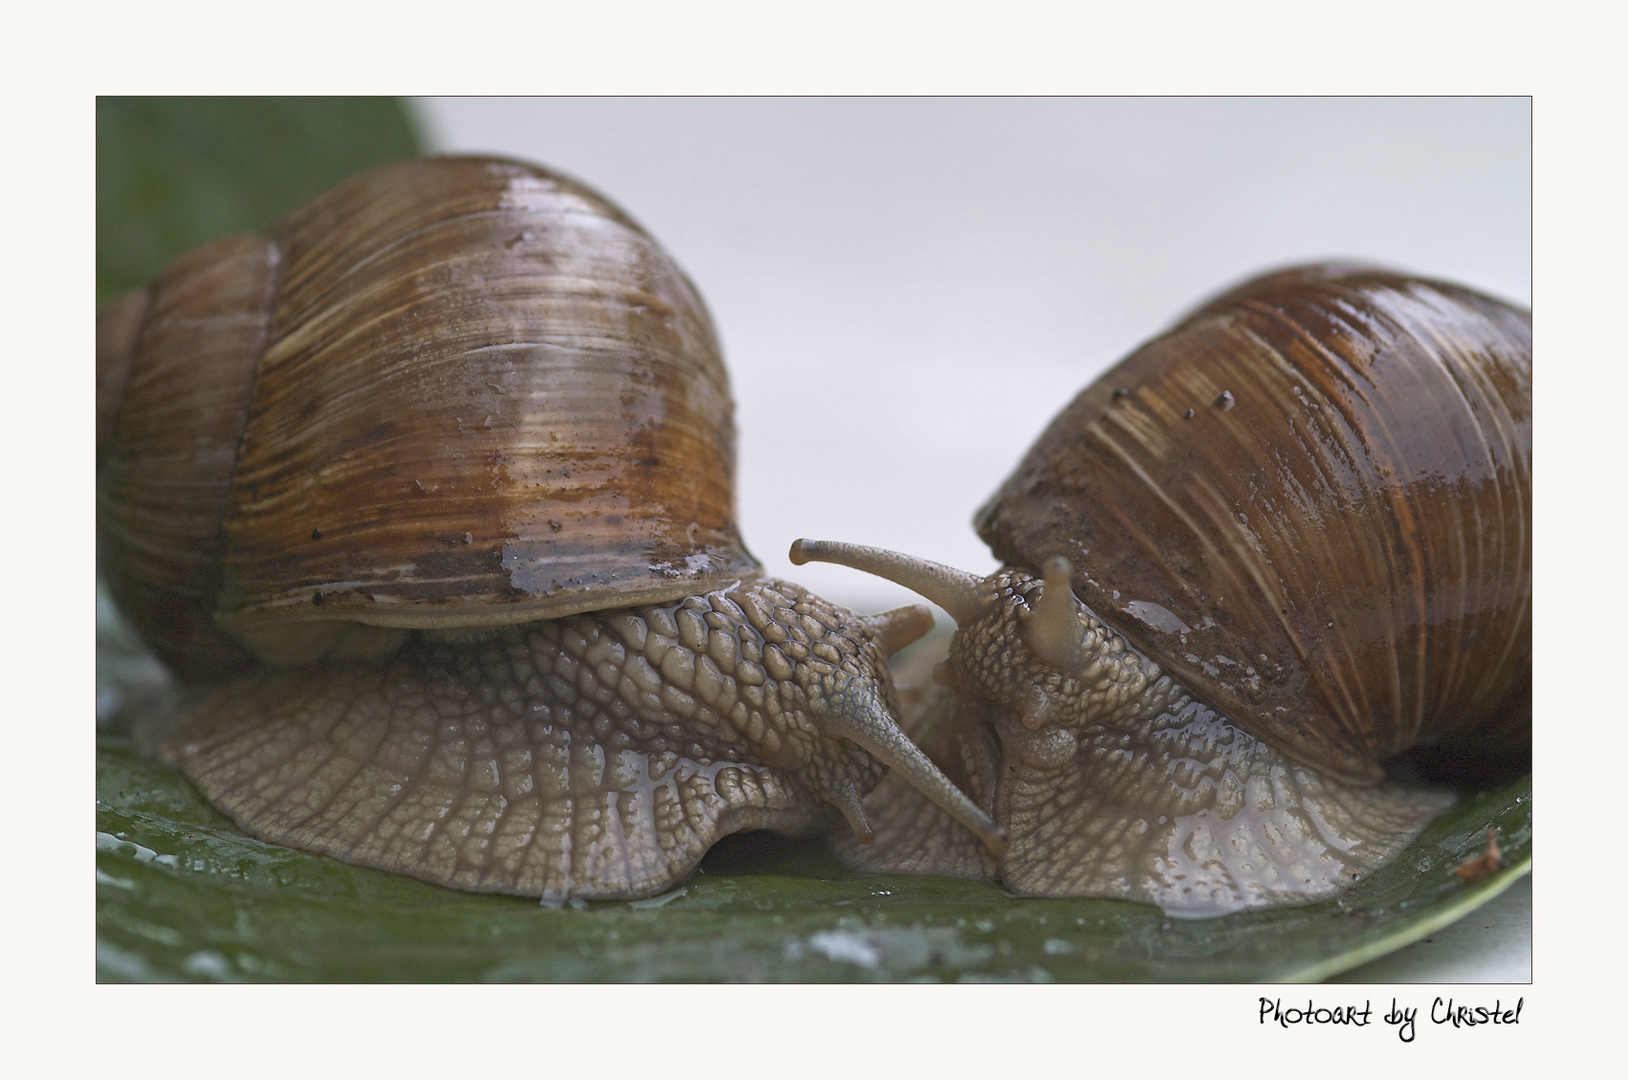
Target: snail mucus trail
x: 1268, y: 552
x: 426, y: 497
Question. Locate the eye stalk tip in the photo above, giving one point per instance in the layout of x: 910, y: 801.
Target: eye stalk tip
x: 1054, y: 631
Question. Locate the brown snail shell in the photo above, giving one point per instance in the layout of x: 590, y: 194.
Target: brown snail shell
x: 1347, y: 510
x: 448, y: 393
x: 427, y: 495
x: 1280, y: 544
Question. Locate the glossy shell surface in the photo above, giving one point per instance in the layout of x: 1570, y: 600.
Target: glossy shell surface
x: 1312, y: 501
x: 477, y: 393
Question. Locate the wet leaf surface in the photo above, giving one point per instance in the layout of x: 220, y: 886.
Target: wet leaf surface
x: 182, y: 895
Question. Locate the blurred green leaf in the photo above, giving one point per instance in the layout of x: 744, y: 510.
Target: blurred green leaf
x: 172, y: 173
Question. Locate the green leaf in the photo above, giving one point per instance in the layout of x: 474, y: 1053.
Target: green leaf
x: 172, y: 173
x: 182, y: 895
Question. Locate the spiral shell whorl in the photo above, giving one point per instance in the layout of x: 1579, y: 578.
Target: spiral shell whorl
x: 176, y: 366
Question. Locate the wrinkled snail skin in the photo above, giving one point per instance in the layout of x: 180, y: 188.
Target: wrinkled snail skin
x: 592, y: 755
x: 1129, y: 786
x: 1282, y: 543
x: 426, y: 497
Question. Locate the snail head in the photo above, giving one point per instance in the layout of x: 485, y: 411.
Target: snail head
x: 1024, y: 645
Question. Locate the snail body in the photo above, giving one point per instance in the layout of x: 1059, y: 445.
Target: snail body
x: 426, y: 497
x: 1266, y: 553
x: 596, y: 755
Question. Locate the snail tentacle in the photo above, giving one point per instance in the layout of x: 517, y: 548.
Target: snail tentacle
x: 1054, y: 631
x: 858, y: 715
x: 956, y: 591
x: 895, y: 629
x: 847, y: 799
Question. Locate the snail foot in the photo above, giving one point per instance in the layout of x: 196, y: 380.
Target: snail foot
x: 403, y: 767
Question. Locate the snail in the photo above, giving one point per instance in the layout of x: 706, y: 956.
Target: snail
x: 425, y: 497
x: 1268, y: 552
